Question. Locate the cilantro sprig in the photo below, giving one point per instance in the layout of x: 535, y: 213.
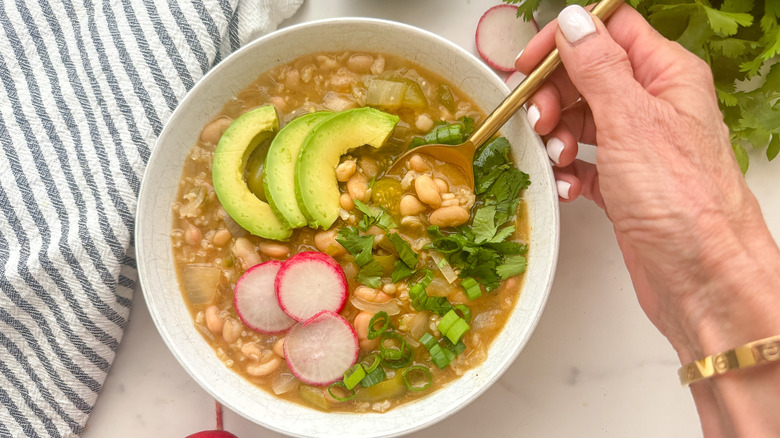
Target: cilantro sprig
x: 481, y: 251
x: 740, y: 40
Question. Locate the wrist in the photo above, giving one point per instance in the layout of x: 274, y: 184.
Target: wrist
x: 738, y: 292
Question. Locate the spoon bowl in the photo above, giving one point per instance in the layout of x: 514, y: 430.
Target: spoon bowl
x: 462, y: 155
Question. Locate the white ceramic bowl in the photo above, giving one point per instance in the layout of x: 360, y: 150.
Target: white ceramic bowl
x: 154, y: 219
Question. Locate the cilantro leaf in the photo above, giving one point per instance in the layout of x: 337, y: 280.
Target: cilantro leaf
x: 484, y: 226
x: 370, y: 274
x: 512, y: 265
x: 408, y: 257
x: 374, y: 215
x: 357, y: 245
x: 400, y: 271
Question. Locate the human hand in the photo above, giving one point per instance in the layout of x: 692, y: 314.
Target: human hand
x: 665, y: 173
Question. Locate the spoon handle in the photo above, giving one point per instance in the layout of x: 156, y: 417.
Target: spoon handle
x: 530, y: 84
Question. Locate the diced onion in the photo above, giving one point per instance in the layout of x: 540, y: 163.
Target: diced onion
x: 392, y: 307
x: 284, y: 383
x: 419, y: 324
x: 445, y: 268
x: 200, y: 283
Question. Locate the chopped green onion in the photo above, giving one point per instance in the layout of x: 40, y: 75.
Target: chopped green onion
x: 465, y: 312
x: 457, y: 348
x: 353, y: 376
x: 428, y: 340
x: 373, y: 377
x: 440, y: 356
x: 350, y: 394
x: 417, y: 378
x: 457, y: 330
x: 473, y: 291
x: 371, y: 362
x: 380, y: 318
x: 447, y: 321
x: 395, y: 356
x: 453, y: 326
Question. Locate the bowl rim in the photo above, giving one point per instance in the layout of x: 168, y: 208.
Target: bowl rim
x: 145, y: 189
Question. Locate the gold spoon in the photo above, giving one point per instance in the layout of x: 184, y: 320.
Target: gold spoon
x: 462, y: 155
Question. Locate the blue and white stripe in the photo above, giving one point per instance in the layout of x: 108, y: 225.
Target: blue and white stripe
x: 85, y: 88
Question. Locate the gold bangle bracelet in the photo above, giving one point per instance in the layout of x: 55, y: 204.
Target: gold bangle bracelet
x: 751, y: 354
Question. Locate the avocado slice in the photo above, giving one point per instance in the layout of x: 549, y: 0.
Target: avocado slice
x: 279, y: 170
x: 234, y: 149
x: 316, y: 187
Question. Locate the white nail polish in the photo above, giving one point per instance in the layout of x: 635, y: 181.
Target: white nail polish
x: 563, y: 189
x: 533, y: 115
x: 554, y: 149
x: 575, y: 23
x: 518, y: 56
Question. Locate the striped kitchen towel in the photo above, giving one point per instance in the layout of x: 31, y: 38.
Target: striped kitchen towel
x: 86, y: 89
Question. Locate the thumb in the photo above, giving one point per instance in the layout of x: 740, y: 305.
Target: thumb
x: 597, y: 66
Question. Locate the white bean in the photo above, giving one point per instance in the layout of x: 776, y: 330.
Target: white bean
x: 371, y: 295
x: 410, y: 205
x: 357, y: 186
x: 221, y: 237
x: 245, y: 251
x: 450, y: 216
x: 326, y: 242
x: 345, y: 201
x: 213, y: 321
x: 231, y: 330
x: 419, y: 164
x: 192, y: 235
x: 263, y: 369
x: 279, y: 347
x: 345, y: 170
x: 361, y: 329
x: 427, y: 190
x: 214, y: 130
x: 252, y: 350
x: 275, y: 250
x: 442, y: 185
x: 424, y: 122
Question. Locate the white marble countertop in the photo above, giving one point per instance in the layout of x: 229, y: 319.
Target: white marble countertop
x: 594, y: 367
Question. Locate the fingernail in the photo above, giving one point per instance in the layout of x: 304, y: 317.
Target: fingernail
x: 554, y: 149
x: 563, y: 189
x: 575, y: 23
x: 533, y: 115
x: 518, y: 56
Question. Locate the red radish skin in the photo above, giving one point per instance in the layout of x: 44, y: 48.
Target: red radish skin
x: 255, y: 299
x: 513, y: 80
x: 501, y: 35
x: 212, y: 434
x: 310, y: 282
x: 319, y: 350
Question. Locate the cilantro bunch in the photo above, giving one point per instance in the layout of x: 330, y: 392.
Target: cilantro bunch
x: 740, y: 40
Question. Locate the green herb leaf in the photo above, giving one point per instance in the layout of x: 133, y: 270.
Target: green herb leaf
x: 512, y: 265
x: 371, y: 274
x: 374, y: 215
x: 355, y: 244
x: 405, y: 252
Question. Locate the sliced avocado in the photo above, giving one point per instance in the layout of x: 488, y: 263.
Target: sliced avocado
x: 230, y: 159
x: 316, y: 187
x: 279, y: 172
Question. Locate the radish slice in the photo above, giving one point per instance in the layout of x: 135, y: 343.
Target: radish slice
x: 513, y: 80
x: 255, y: 299
x: 319, y: 350
x: 310, y: 282
x: 501, y: 36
